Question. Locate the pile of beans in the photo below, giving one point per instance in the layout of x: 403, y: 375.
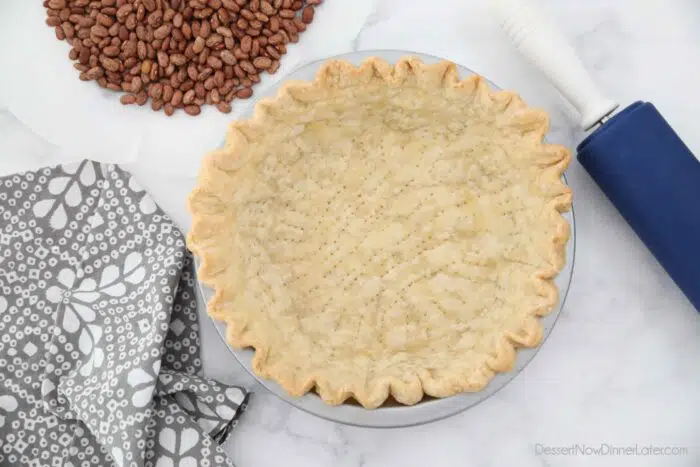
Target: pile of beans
x: 179, y: 54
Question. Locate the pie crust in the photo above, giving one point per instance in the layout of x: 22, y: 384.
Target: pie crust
x: 383, y: 230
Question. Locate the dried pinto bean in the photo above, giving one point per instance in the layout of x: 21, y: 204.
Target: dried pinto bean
x: 181, y: 54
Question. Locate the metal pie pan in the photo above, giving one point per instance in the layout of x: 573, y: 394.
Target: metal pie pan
x: 429, y: 409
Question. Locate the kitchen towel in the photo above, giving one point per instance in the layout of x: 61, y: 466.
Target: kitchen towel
x: 99, y: 341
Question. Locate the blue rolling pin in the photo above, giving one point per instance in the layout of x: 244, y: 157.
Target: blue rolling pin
x: 634, y: 156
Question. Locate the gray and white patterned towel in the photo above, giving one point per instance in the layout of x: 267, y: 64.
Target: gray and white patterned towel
x: 99, y: 341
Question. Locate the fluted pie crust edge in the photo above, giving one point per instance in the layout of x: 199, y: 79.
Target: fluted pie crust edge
x: 291, y: 347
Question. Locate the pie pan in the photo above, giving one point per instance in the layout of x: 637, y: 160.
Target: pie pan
x: 394, y: 414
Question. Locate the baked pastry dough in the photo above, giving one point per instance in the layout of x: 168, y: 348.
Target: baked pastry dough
x: 383, y: 230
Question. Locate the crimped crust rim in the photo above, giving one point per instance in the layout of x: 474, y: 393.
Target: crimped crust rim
x: 373, y: 395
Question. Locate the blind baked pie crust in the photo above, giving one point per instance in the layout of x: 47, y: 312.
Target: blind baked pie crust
x: 383, y: 230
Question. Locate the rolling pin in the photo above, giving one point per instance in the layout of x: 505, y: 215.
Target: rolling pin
x: 634, y: 155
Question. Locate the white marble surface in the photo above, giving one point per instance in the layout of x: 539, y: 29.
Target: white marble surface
x: 621, y: 366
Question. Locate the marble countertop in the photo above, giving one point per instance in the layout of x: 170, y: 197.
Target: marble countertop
x: 620, y: 367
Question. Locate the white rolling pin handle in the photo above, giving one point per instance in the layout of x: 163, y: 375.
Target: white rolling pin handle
x: 546, y: 48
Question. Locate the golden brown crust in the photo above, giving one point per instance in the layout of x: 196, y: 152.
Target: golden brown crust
x: 458, y: 322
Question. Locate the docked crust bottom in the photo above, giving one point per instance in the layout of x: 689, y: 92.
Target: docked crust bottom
x: 383, y: 231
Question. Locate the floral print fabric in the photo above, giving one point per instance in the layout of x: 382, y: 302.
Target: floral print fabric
x: 99, y: 341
